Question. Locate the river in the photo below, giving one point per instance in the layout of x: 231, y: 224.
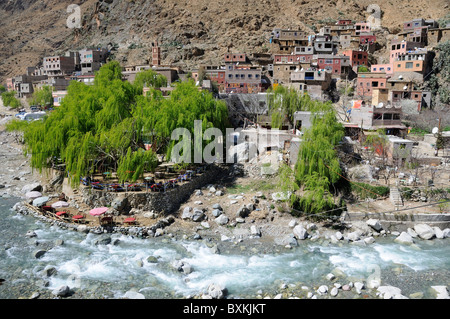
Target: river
x: 108, y: 271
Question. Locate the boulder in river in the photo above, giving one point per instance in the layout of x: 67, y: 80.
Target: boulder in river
x: 404, y: 238
x: 375, y: 224
x: 424, y: 231
x: 300, y: 232
x: 61, y: 291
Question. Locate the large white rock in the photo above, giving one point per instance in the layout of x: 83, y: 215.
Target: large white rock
x: 438, y: 232
x: 354, y: 236
x: 130, y: 294
x: 446, y: 232
x: 389, y: 292
x: 255, y: 231
x: 222, y: 220
x: 187, y: 213
x: 424, y: 231
x: 440, y: 292
x: 375, y: 224
x: 404, y: 238
x: 300, y: 232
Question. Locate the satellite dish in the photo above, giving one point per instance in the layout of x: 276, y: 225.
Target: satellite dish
x: 380, y: 105
x: 405, y: 87
x: 435, y: 130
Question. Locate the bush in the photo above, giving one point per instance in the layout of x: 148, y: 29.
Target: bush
x: 9, y: 99
x: 364, y: 191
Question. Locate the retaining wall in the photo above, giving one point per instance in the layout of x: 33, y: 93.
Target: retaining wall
x: 162, y: 202
x: 402, y: 221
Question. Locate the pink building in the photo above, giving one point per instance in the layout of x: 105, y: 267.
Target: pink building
x: 362, y: 27
x: 399, y: 48
x: 382, y: 68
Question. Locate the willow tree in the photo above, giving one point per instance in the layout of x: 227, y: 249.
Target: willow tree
x: 283, y: 102
x: 150, y: 78
x: 317, y: 168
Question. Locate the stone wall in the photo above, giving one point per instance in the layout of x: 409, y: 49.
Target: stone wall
x: 402, y: 221
x: 161, y: 202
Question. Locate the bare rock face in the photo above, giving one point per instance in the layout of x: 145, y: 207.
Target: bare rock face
x: 189, y: 33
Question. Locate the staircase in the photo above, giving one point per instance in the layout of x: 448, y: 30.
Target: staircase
x: 395, y: 197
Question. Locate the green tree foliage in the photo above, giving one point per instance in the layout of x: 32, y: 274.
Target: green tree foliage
x: 104, y: 126
x: 283, y: 102
x: 150, y: 78
x: 318, y: 168
x: 42, y: 96
x: 10, y: 100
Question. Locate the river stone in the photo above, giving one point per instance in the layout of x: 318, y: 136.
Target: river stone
x: 338, y: 235
x: 389, y: 292
x: 49, y: 271
x: 219, y: 193
x: 39, y: 253
x: 300, y: 232
x: 240, y: 220
x: 255, y: 231
x: 222, y: 220
x: 404, y: 238
x: 130, y: 294
x: 346, y: 288
x: 446, y: 233
x: 216, y: 212
x: 358, y: 286
x: 152, y: 259
x: 412, y: 233
x: 198, y: 215
x: 31, y: 234
x: 438, y: 232
x: 330, y: 276
x: 323, y: 289
x: 105, y: 240
x: 243, y: 212
x: 353, y: 236
x: 187, y: 213
x: 375, y: 224
x: 369, y: 240
x: 334, y: 292
x: 424, y: 231
x: 216, y: 291
x: 32, y: 187
x: 61, y: 291
x: 217, y: 206
x: 292, y: 223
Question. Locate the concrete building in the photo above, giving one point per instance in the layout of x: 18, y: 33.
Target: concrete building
x: 243, y: 80
x: 58, y: 96
x: 338, y: 65
x: 283, y: 41
x: 362, y: 27
x: 366, y: 81
x: 382, y: 68
x: 401, y: 47
x: 59, y: 65
x: 373, y: 117
x: 92, y: 59
x: 414, y: 61
x: 357, y: 58
x: 314, y: 82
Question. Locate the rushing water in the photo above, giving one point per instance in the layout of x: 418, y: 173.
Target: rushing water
x: 109, y: 271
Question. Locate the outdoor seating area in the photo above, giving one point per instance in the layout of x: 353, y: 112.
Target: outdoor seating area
x: 167, y: 180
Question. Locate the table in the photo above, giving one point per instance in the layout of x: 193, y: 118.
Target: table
x: 77, y: 218
x: 61, y: 213
x: 129, y: 220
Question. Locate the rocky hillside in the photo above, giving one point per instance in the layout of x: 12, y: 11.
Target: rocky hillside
x: 189, y: 31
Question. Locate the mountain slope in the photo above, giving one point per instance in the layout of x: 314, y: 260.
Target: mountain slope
x: 190, y: 32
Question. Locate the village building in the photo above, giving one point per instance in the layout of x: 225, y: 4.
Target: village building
x: 313, y: 82
x: 357, y: 58
x: 401, y: 47
x: 59, y: 65
x: 438, y: 35
x: 362, y: 27
x: 286, y: 40
x: 382, y: 68
x: 92, y: 59
x: 367, y: 81
x: 338, y: 65
x: 418, y: 61
x: 374, y: 117
x: 58, y: 96
x: 243, y: 79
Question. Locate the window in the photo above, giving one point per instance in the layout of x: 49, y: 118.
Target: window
x: 408, y: 65
x: 417, y: 65
x: 375, y: 69
x: 377, y: 116
x: 256, y: 75
x: 396, y: 116
x: 387, y: 116
x: 388, y: 68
